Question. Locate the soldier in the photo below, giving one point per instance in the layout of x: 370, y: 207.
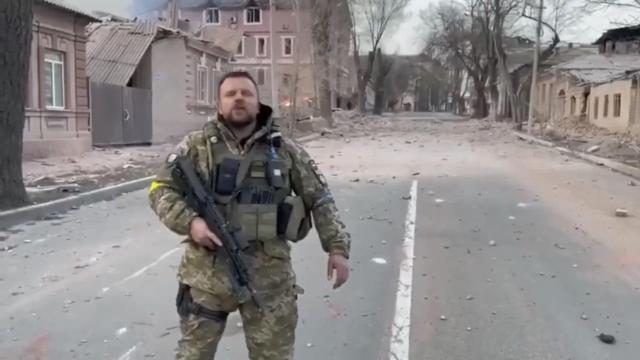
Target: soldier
x: 267, y: 186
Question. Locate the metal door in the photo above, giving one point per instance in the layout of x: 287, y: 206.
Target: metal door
x: 136, y: 116
x: 106, y: 120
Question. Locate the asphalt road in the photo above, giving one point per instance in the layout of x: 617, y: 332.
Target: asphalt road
x: 515, y: 246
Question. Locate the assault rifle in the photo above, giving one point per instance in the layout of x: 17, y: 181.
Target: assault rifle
x: 233, y: 245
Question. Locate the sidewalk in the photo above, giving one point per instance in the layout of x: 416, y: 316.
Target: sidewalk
x: 58, y: 177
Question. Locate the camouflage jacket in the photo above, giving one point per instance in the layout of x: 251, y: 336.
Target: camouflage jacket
x: 306, y: 181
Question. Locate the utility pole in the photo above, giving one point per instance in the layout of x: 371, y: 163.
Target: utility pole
x: 274, y: 90
x: 533, y: 98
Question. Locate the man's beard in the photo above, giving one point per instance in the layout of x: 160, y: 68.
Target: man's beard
x: 241, y: 121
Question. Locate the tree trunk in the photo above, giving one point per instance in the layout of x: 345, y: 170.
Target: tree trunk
x: 378, y: 105
x: 15, y: 49
x: 480, y: 106
x: 322, y: 42
x: 362, y: 96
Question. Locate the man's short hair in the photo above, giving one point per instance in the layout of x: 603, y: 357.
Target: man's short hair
x: 236, y: 74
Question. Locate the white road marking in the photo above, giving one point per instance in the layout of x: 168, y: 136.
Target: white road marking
x: 400, y: 332
x: 127, y: 355
x: 379, y: 260
x: 146, y: 268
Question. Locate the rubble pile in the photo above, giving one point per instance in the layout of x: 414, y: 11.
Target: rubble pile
x: 586, y: 137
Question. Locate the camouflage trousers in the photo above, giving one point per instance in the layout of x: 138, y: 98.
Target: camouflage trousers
x: 269, y: 335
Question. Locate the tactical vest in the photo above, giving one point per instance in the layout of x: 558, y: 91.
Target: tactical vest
x: 254, y: 191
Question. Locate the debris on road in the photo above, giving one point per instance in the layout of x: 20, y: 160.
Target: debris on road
x: 439, y: 201
x: 584, y: 317
x: 416, y: 173
x: 469, y: 297
x: 492, y: 243
x: 379, y: 261
x: 558, y: 246
x: 406, y: 197
x: 607, y: 339
x: 575, y: 266
x: 593, y: 149
x: 469, y: 329
x: 622, y: 212
x: 443, y: 318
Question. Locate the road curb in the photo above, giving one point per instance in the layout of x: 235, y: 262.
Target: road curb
x: 611, y: 164
x: 39, y: 211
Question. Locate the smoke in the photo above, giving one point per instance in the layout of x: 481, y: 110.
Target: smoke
x: 143, y: 8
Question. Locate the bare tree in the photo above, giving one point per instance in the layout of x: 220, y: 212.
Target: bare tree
x: 372, y: 19
x: 384, y: 64
x: 629, y: 16
x: 293, y: 87
x: 321, y: 11
x: 461, y: 33
x: 15, y: 48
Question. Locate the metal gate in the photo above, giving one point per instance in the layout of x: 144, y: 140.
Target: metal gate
x: 120, y: 115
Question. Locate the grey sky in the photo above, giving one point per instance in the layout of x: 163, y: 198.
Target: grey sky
x: 408, y: 38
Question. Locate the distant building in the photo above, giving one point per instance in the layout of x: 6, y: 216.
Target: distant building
x: 600, y: 88
x: 57, y: 119
x: 151, y: 83
x: 207, y: 18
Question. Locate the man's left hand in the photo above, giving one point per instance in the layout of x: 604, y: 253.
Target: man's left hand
x: 338, y: 265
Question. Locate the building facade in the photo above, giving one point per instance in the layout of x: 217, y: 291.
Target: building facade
x: 155, y: 84
x: 599, y: 88
x: 292, y: 46
x: 57, y: 117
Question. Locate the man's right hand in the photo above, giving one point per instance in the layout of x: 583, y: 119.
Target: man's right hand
x: 201, y: 234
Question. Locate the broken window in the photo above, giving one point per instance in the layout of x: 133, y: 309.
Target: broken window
x: 261, y: 46
x: 573, y: 105
x: 240, y: 50
x: 617, y: 104
x: 287, y: 46
x: 253, y: 15
x: 212, y: 16
x: 605, y: 113
x: 595, y: 107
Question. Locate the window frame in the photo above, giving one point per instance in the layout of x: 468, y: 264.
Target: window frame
x: 205, y: 17
x: 284, y: 41
x: 52, y: 64
x: 266, y: 44
x: 264, y: 76
x: 202, y: 84
x: 246, y: 15
x: 243, y: 44
x: 617, y: 105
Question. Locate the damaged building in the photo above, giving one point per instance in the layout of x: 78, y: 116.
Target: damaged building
x: 599, y: 88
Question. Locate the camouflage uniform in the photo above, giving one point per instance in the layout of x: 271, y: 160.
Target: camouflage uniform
x: 269, y: 335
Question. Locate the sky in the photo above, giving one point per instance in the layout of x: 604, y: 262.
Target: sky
x: 408, y: 37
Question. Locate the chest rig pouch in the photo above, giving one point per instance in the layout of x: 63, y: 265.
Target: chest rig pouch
x: 255, y: 192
